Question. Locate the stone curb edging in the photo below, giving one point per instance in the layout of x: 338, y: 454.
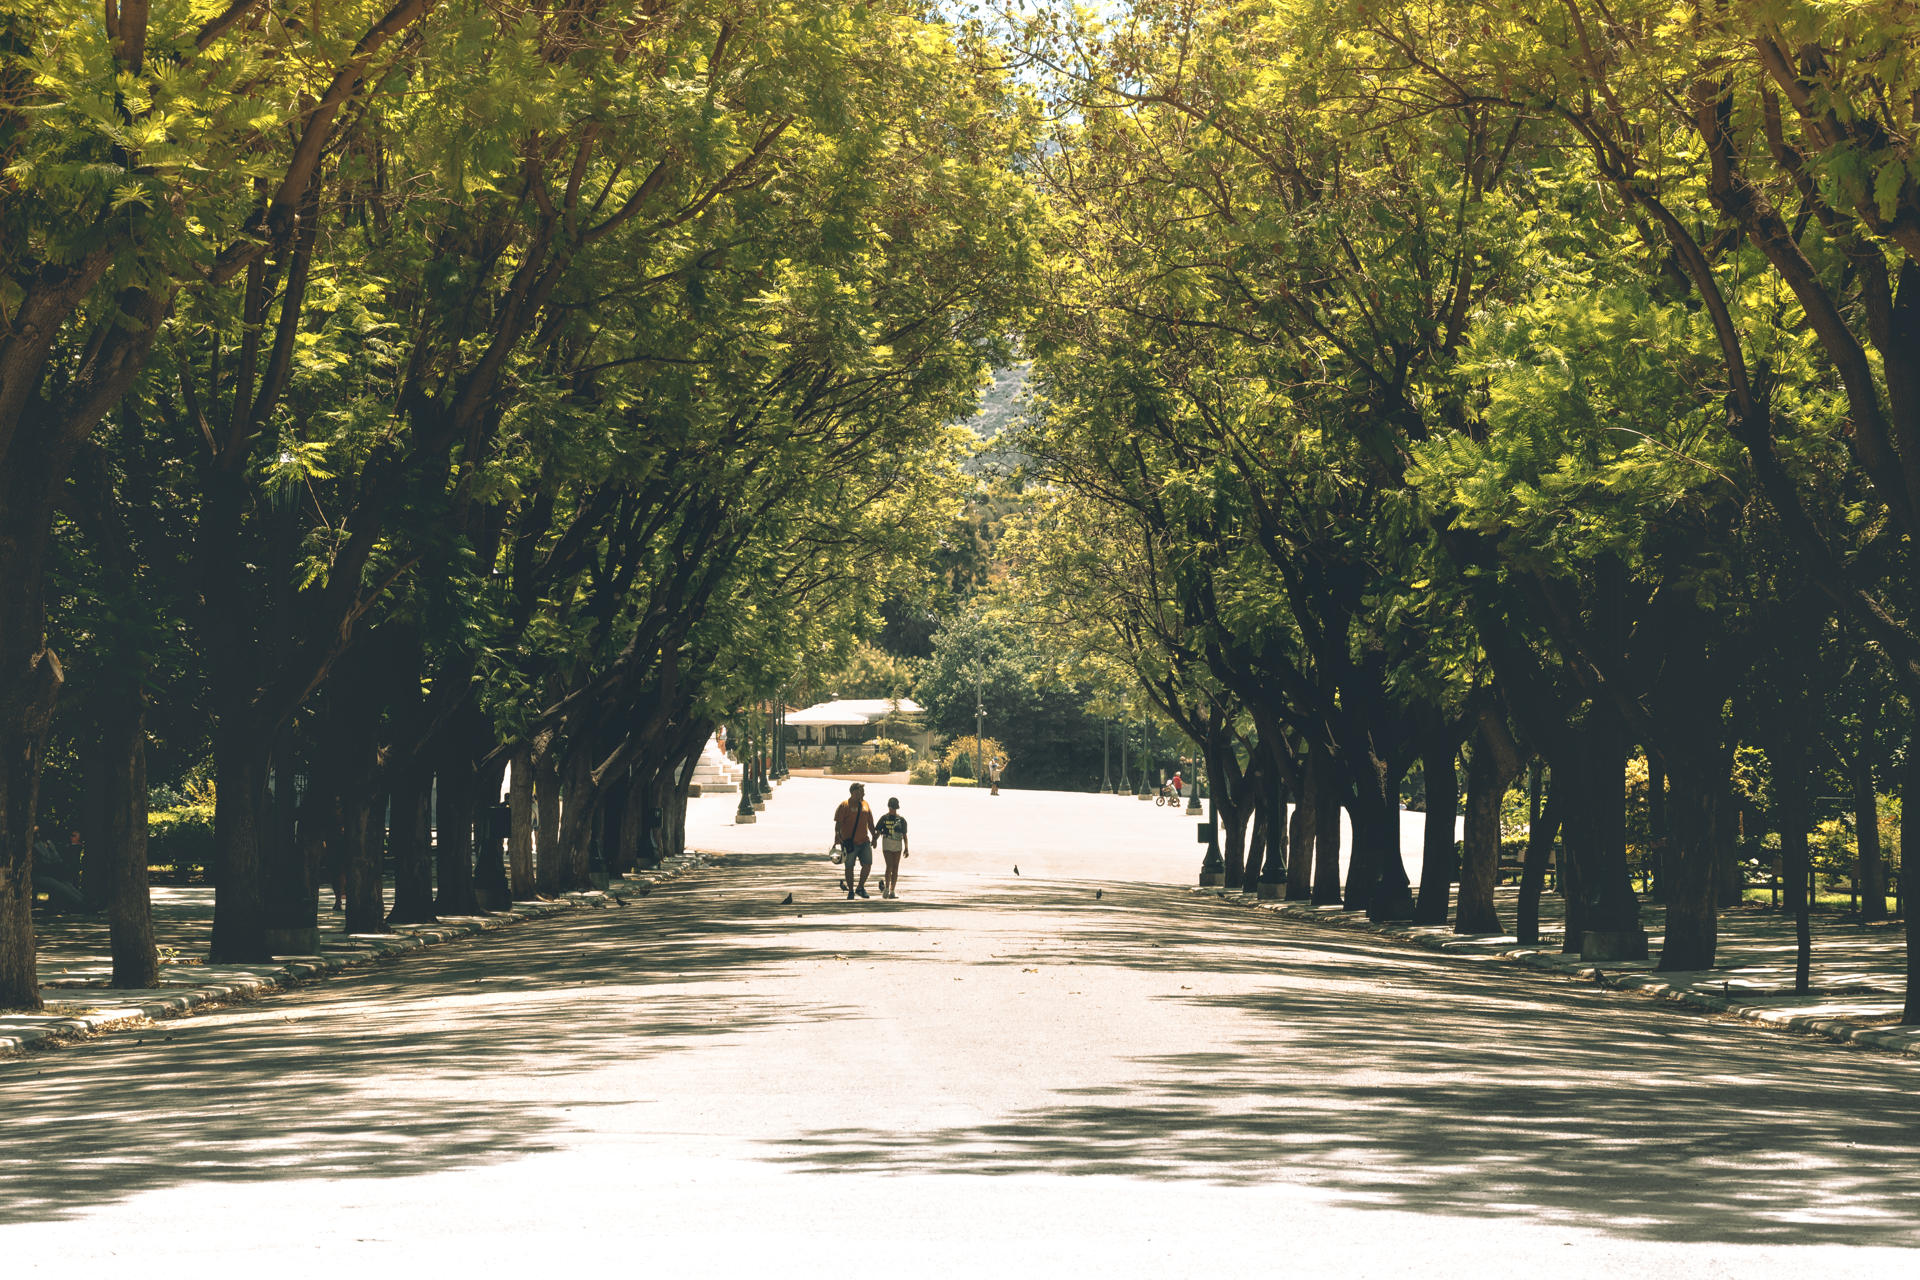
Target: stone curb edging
x: 370, y: 949
x: 1841, y: 1030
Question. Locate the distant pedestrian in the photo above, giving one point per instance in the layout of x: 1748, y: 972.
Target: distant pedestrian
x: 994, y: 766
x: 853, y: 832
x: 1177, y: 783
x: 893, y: 847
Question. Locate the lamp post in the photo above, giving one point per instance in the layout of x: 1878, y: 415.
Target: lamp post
x: 1145, y: 792
x: 979, y: 729
x: 1193, y: 797
x: 759, y: 757
x: 1106, y: 755
x: 744, y: 814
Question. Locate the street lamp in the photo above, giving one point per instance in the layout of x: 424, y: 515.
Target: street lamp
x: 1106, y: 754
x: 745, y: 814
x: 979, y: 729
x: 1145, y: 767
x: 1193, y: 797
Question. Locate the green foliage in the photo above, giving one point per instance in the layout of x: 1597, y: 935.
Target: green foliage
x: 181, y: 837
x: 898, y: 755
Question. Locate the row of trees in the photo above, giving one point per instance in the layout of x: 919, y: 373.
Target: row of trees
x: 1542, y: 381
x: 395, y: 390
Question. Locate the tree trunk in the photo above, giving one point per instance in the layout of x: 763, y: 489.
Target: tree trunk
x: 520, y: 880
x: 240, y: 754
x: 492, y: 834
x: 1692, y: 911
x: 1278, y: 857
x: 1533, y: 872
x: 550, y: 865
x: 1326, y: 828
x: 1300, y: 842
x: 1789, y: 760
x: 1480, y: 851
x: 410, y: 842
x: 579, y: 819
x: 1657, y: 824
x: 453, y: 830
x: 1608, y: 924
x: 117, y: 843
x: 1439, y: 843
x: 1872, y: 868
x: 1909, y: 861
x: 30, y: 678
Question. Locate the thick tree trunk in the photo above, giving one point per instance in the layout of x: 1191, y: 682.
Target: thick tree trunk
x: 520, y: 878
x: 1439, y: 845
x: 290, y: 875
x: 549, y: 861
x: 1326, y: 829
x: 240, y: 754
x: 1789, y: 760
x: 1300, y: 840
x: 410, y: 842
x: 363, y: 828
x: 453, y: 823
x: 1276, y: 864
x: 1533, y: 872
x: 579, y: 820
x: 1909, y: 866
x: 1872, y: 868
x: 1610, y: 913
x: 1657, y: 825
x: 1480, y: 851
x: 30, y: 679
x: 1253, y: 854
x: 1692, y: 910
x: 492, y: 834
x: 117, y: 840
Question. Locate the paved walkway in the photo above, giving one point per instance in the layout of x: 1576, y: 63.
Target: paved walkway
x: 1859, y: 973
x: 1032, y: 1075
x: 1855, y: 996
x: 76, y: 966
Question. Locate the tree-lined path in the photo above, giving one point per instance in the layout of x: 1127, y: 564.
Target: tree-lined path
x: 992, y: 1071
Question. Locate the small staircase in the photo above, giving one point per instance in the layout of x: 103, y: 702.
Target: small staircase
x: 713, y: 773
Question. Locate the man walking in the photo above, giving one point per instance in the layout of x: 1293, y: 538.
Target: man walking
x: 853, y: 832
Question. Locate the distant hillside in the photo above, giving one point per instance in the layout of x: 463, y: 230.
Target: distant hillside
x: 1000, y: 401
x: 999, y: 405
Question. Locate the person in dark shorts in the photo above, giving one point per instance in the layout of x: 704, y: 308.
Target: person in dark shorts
x: 853, y: 832
x: 893, y: 847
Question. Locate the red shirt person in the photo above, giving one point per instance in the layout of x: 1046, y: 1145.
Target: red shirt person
x: 853, y: 832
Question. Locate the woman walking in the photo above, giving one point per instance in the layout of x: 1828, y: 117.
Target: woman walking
x: 893, y: 847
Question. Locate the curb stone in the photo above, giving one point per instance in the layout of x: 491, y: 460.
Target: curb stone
x: 1636, y: 980
x: 20, y: 1033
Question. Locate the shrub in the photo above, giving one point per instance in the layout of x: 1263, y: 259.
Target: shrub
x: 898, y: 753
x: 181, y: 837
x: 867, y: 762
x: 960, y: 755
x: 962, y: 782
x: 923, y: 773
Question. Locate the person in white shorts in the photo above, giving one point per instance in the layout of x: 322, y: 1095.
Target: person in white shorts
x: 893, y: 847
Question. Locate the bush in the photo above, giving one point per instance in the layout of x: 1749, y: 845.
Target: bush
x: 962, y: 782
x: 181, y: 837
x: 924, y: 773
x: 960, y: 755
x: 868, y: 762
x: 898, y: 753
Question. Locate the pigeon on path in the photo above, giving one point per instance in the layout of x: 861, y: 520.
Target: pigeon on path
x: 1099, y: 893
x: 1016, y: 868
x: 787, y: 901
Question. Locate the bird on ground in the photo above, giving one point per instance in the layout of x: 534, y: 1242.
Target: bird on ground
x: 787, y: 901
x: 1016, y: 868
x: 1099, y: 893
